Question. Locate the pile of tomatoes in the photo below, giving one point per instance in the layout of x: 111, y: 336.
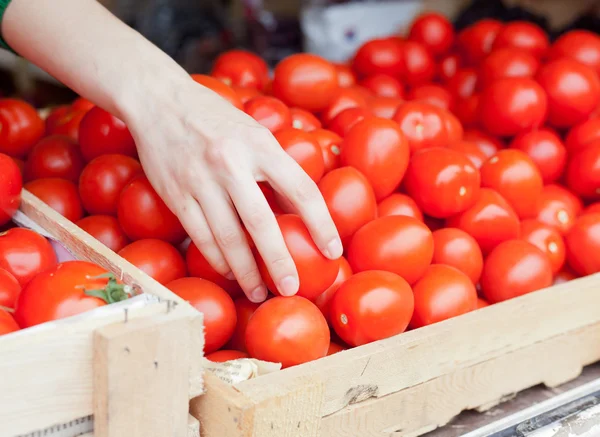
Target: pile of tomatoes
x: 461, y: 170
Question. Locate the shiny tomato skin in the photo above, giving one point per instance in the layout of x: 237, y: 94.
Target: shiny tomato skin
x: 101, y: 133
x: 345, y: 98
x: 11, y: 183
x: 482, y: 303
x: 422, y: 124
x: 345, y: 120
x: 216, y: 305
x: 54, y: 157
x: 7, y: 323
x: 514, y: 268
x: 433, y: 94
x: 303, y: 147
x: 581, y: 45
x: 270, y: 112
x: 507, y: 62
x: 54, y: 116
x: 244, y: 310
x: 583, y: 134
x: 593, y: 208
x: 371, y: 306
x: 583, y: 245
x: 464, y: 83
x: 68, y: 125
x: 448, y: 66
x: 158, y: 259
x: 219, y: 87
x: 467, y: 111
x: 225, y: 355
x: 475, y: 42
x: 142, y: 214
x: 384, y: 107
x: 546, y: 150
x: 304, y: 120
x: 384, y: 85
x: 346, y: 77
x: 20, y: 127
x: 434, y: 31
x: 379, y: 56
x: 488, y: 144
x: 546, y: 238
x: 106, y: 229
x: 558, y: 207
x: 199, y: 267
x: 454, y: 247
x: 523, y: 35
x: 246, y: 94
x: 379, y: 150
x: 323, y: 301
x: 287, y: 330
x: 59, y: 194
x: 419, y: 65
x: 241, y: 68
x: 9, y: 289
x: 471, y: 151
x: 330, y: 144
x: 454, y: 127
x: 583, y: 172
x: 397, y: 244
x: 399, y: 204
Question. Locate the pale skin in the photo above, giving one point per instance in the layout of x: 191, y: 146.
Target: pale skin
x: 202, y: 156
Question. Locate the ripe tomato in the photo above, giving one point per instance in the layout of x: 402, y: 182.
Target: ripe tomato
x: 515, y: 176
x: 59, y: 194
x: 287, y: 330
x: 219, y: 87
x: 448, y: 66
x: 475, y: 42
x: 304, y: 120
x: 454, y: 128
x: 573, y: 91
x: 305, y: 150
x: 384, y: 85
x: 345, y: 98
x: 350, y: 200
x: 223, y: 356
x: 399, y: 204
x: 454, y: 247
x: 270, y: 112
x: 442, y: 181
x: 102, y: 181
x: 24, y: 254
x: 20, y: 127
x: 546, y: 238
x: 513, y: 105
x: 523, y: 35
x: 334, y: 348
x: 54, y: 117
x: 546, y: 150
x: 68, y: 125
x: 442, y: 293
x: 423, y: 124
x: 384, y: 107
x: 199, y: 267
x: 379, y: 150
x: 316, y: 273
x: 419, y: 65
x: 583, y: 134
x: 11, y: 183
x: 330, y: 144
x: 382, y: 55
x: 593, y: 208
x: 106, y: 229
x: 558, y: 207
x: 101, y: 133
x: 241, y: 68
x: 142, y: 214
x: 486, y: 143
x: 345, y: 120
x: 246, y: 94
x: 323, y: 301
x: 467, y: 111
x: 514, y: 268
x: 158, y: 259
x: 433, y: 94
x: 9, y: 289
x: 481, y: 303
x: 581, y: 45
x: 7, y: 323
x: 54, y: 157
x: 397, y: 244
x: 346, y: 76
x: 244, y: 310
x: 491, y: 220
x: 371, y: 306
x: 583, y: 244
x: 434, y: 31
x: 64, y: 291
x: 471, y: 151
x: 216, y: 305
x: 563, y: 276
x: 464, y: 83
x: 507, y: 62
x: 583, y: 172
x: 306, y: 81
x: 82, y: 104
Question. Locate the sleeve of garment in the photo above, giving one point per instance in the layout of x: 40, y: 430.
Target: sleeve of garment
x: 3, y: 5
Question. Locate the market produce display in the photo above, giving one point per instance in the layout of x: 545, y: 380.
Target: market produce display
x: 461, y: 170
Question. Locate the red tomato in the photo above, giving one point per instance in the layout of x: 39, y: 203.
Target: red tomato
x: 581, y: 45
x: 219, y: 87
x: 54, y: 157
x: 60, y: 195
x: 454, y: 247
x: 241, y: 68
x: 573, y: 91
x: 442, y: 181
x: 216, y: 305
x: 454, y: 128
x: 546, y: 238
x: 523, y: 35
x: 287, y: 330
x: 24, y: 254
x: 558, y: 207
x: 199, y: 267
x: 304, y: 120
x: 345, y: 98
x: 82, y: 104
x: 383, y: 55
x: 9, y: 289
x: 142, y: 214
x: 583, y: 134
x: 583, y: 244
x: 448, y: 66
x: 384, y: 107
x: 330, y: 144
x: 433, y: 94
x: 306, y: 81
x: 102, y: 181
x: 101, y: 133
x: 513, y: 105
x: 475, y: 42
x: 442, y: 293
x: 244, y: 310
x: 481, y: 303
x: 54, y: 117
x: 399, y: 204
x: 546, y: 150
x: 345, y: 120
x: 507, y: 62
x: 350, y: 200
x: 7, y: 323
x: 68, y: 125
x: 11, y: 183
x: 379, y: 150
x: 593, y: 208
x: 305, y: 150
x: 491, y: 220
x: 371, y: 306
x: 423, y: 124
x: 471, y: 151
x: 434, y: 31
x: 486, y: 143
x: 62, y: 291
x: 397, y: 244
x: 158, y: 259
x: 246, y: 94
x: 106, y: 229
x: 20, y: 127
x: 563, y: 276
x: 467, y: 111
x: 583, y: 172
x: 334, y: 348
x: 223, y: 356
x: 514, y: 268
x: 384, y: 85
x: 346, y: 76
x: 270, y: 112
x: 20, y: 164
x: 323, y: 301
x: 419, y: 65
x: 464, y: 83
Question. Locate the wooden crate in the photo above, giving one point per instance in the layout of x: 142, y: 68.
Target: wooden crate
x: 133, y: 367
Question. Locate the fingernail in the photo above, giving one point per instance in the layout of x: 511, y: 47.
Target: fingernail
x: 259, y: 294
x: 334, y: 249
x: 288, y: 286
x: 230, y: 276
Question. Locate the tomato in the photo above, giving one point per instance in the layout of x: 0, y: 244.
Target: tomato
x: 464, y: 83
x: 419, y: 65
x: 270, y: 112
x: 346, y: 76
x: 82, y: 104
x: 558, y: 207
x: 216, y: 306
x: 9, y: 289
x: 382, y: 55
x: 448, y: 66
x: 345, y: 120
x: 546, y: 238
x: 583, y: 245
x: 467, y: 111
x: 384, y: 85
x: 142, y: 214
x: 59, y: 194
x: 475, y: 42
x: 11, y: 183
x: 399, y: 204
x: 563, y: 276
x: 246, y: 94
x: 20, y: 127
x: 471, y: 151
x: 507, y: 62
x: 334, y: 348
x: 486, y: 143
x: 24, y: 254
x: 583, y: 134
x: 454, y: 247
x: 316, y: 273
x: 305, y: 150
x: 546, y: 150
x: 583, y: 172
x: 199, y: 267
x: 7, y: 323
x: 241, y: 68
x: 158, y: 259
x: 68, y: 125
x: 454, y: 128
x: 573, y: 91
x: 330, y: 143
x: 523, y: 35
x: 491, y: 220
x: 384, y: 107
x: 101, y: 133
x: 345, y: 98
x: 482, y: 303
x: 304, y: 120
x: 514, y: 268
x: 219, y: 87
x: 593, y: 208
x: 434, y: 31
x: 350, y: 200
x: 513, y: 105
x: 423, y: 124
x: 433, y: 94
x: 371, y: 306
x: 581, y: 45
x: 54, y: 117
x: 306, y: 81
x: 223, y: 356
x: 379, y: 150
x: 323, y: 301
x: 66, y: 290
x: 20, y: 164
x: 54, y: 157
x: 244, y: 310
x: 106, y: 229
x: 397, y: 244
